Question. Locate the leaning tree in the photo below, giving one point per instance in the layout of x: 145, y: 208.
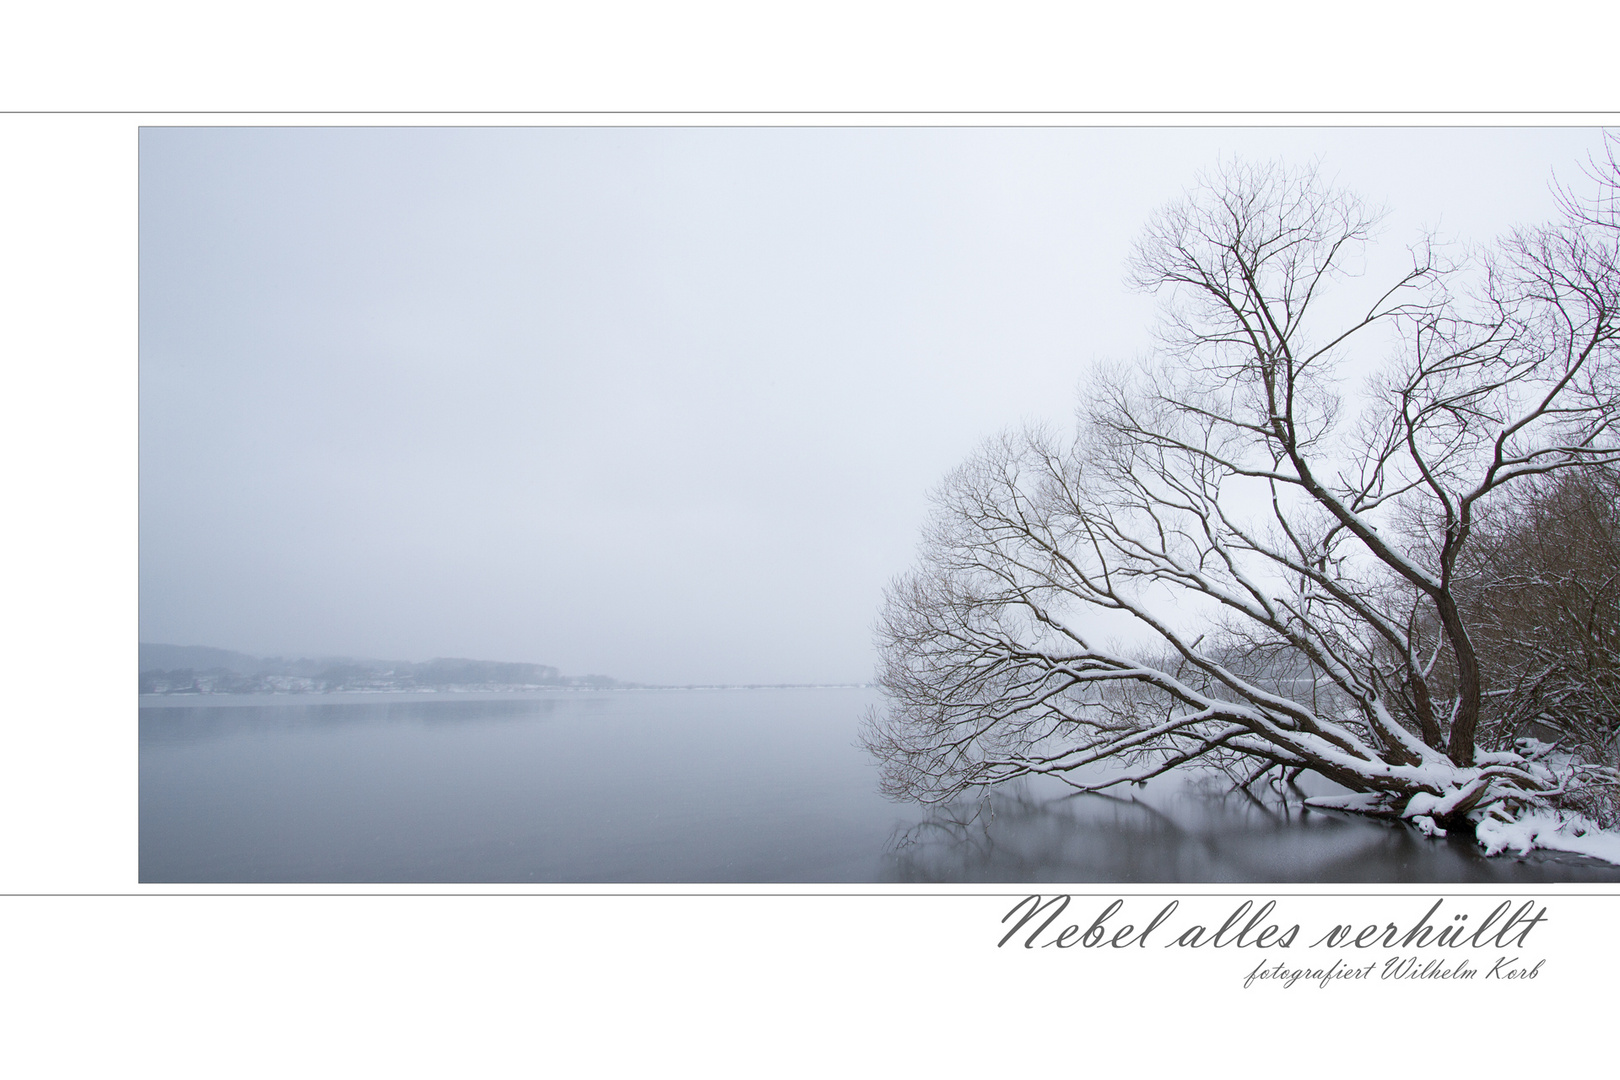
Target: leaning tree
x: 1249, y: 553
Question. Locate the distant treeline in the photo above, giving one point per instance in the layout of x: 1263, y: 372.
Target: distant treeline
x: 194, y: 669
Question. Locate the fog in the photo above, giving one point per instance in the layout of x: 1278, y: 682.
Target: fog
x: 663, y: 404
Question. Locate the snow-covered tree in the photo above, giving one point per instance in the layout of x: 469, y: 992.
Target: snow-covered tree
x: 1539, y: 588
x: 1248, y: 555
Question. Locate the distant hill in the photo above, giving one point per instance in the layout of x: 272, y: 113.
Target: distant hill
x: 198, y: 657
x: 199, y: 669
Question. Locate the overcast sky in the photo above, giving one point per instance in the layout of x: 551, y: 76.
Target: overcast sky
x: 662, y: 404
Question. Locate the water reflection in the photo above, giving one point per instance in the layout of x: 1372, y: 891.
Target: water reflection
x: 689, y: 786
x: 1197, y: 831
x: 265, y: 716
x: 634, y: 786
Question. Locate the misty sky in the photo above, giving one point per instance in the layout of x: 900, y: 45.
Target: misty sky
x: 662, y: 404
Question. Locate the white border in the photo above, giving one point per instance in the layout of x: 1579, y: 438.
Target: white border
x: 807, y: 983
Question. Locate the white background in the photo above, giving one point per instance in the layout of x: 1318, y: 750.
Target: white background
x: 479, y: 985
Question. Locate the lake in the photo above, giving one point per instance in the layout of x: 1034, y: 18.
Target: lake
x: 688, y: 786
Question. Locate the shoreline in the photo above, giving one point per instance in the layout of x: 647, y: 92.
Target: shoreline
x: 185, y: 699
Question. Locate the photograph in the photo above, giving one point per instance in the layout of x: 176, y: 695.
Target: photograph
x: 878, y: 505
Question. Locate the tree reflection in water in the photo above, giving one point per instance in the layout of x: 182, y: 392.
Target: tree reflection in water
x: 1196, y: 830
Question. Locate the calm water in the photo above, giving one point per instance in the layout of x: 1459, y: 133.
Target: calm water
x: 684, y: 786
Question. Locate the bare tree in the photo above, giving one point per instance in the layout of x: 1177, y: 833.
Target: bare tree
x: 1280, y: 553
x: 1539, y: 587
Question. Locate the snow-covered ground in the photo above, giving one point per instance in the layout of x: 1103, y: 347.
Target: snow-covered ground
x: 1552, y: 830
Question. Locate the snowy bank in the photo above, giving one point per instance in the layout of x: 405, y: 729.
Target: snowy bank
x: 1548, y: 829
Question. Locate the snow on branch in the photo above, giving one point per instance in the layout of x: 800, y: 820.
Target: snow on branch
x: 1287, y: 561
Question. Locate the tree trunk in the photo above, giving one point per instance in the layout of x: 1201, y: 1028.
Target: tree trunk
x: 1461, y: 747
